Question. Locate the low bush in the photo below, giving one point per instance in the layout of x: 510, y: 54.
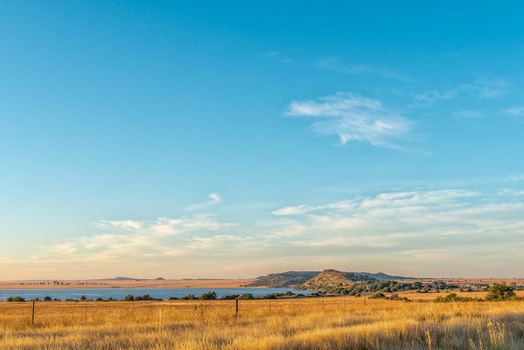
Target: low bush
x: 452, y: 297
x: 231, y: 297
x: 129, y: 298
x: 16, y: 299
x: 246, y: 296
x: 189, y: 297
x: 501, y: 292
x: 377, y: 295
x: 208, y: 296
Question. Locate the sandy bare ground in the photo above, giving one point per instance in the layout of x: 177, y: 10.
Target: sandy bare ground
x: 185, y: 283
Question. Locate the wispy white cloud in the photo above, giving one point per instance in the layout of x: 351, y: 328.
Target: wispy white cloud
x: 482, y: 88
x: 511, y: 192
x: 125, y: 239
x: 278, y: 56
x: 305, y: 209
x: 376, y: 231
x: 516, y: 111
x: 405, y: 221
x: 353, y: 118
x: 213, y: 199
x: 515, y: 178
x: 468, y: 114
x: 333, y: 64
x: 296, y: 210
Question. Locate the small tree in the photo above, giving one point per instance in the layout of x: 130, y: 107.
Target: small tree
x: 189, y: 297
x: 246, y: 296
x: 83, y: 298
x: 231, y: 297
x: 208, y: 296
x: 129, y: 298
x: 15, y: 299
x: 501, y: 292
x: 377, y: 295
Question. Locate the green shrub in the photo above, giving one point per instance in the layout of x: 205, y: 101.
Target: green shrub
x: 246, y: 296
x: 377, y: 295
x: 452, y: 297
x: 144, y: 297
x: 231, y: 297
x: 208, y: 296
x: 501, y: 292
x: 16, y: 299
x: 189, y: 297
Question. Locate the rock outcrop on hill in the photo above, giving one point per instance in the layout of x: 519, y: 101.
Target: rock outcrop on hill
x: 318, y: 280
x: 326, y: 280
x: 287, y: 279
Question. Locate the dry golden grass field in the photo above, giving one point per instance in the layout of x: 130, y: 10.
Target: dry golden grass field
x: 319, y: 323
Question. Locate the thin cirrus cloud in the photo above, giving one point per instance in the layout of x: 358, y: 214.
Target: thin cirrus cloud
x: 305, y: 209
x: 468, y: 114
x: 399, y: 222
x: 124, y: 239
x: 353, y: 118
x: 515, y: 178
x: 516, y: 111
x: 482, y: 88
x: 404, y: 220
x: 333, y: 64
x: 461, y: 223
x: 278, y: 56
x: 213, y: 199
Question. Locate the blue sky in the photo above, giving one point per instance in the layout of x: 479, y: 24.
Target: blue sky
x: 234, y: 139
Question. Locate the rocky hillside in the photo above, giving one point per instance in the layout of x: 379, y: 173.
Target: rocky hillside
x: 287, y: 279
x: 379, y: 276
x: 309, y: 279
x: 327, y: 280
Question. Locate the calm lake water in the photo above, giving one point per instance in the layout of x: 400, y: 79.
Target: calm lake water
x: 120, y: 293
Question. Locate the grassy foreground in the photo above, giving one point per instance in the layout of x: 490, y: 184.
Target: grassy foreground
x: 330, y: 323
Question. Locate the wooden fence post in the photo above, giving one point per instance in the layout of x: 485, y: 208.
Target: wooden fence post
x: 33, y: 314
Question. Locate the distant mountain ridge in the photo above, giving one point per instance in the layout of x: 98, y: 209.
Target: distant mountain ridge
x: 133, y: 279
x: 291, y: 279
x: 123, y: 278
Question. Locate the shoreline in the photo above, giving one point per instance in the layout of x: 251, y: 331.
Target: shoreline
x: 112, y: 284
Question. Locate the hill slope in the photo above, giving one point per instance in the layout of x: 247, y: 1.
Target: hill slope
x: 287, y: 279
x: 327, y: 279
x: 292, y: 279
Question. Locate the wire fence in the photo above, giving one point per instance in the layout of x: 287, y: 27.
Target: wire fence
x: 42, y: 313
